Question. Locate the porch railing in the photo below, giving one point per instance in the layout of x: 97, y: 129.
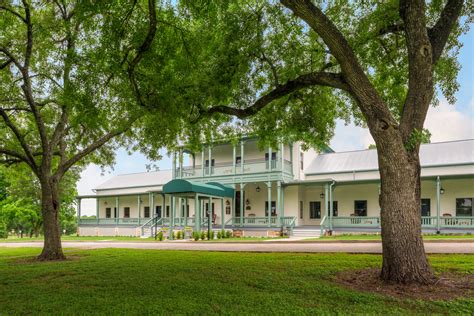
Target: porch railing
x: 275, y: 221
x: 426, y: 221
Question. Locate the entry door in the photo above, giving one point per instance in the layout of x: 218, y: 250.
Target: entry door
x: 237, y: 203
x: 425, y: 207
x: 158, y: 211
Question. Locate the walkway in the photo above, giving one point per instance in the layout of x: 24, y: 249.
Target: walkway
x: 352, y: 247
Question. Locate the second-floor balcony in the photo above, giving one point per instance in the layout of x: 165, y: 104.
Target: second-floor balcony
x: 249, y: 166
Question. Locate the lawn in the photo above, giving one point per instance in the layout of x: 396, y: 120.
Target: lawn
x: 130, y: 281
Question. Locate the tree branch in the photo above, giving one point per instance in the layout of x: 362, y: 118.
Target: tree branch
x: 6, y: 8
x: 439, y: 33
x: 307, y: 80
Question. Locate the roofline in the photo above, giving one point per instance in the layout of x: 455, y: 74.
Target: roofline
x: 426, y: 144
x: 369, y: 170
x: 133, y: 187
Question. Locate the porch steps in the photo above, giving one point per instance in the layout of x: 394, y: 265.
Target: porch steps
x: 299, y: 232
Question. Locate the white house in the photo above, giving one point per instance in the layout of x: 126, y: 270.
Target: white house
x: 305, y: 190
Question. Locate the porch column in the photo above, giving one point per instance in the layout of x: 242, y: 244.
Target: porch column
x: 438, y: 204
x: 186, y: 212
x: 139, y: 210
x: 242, y: 157
x: 269, y: 158
x: 282, y: 157
x: 269, y: 198
x: 197, y: 213
x: 97, y: 206
x: 210, y: 160
x: 117, y: 205
x: 242, y: 204
x: 173, y: 162
x: 173, y: 212
x: 78, y: 211
x: 291, y: 157
x: 180, y: 162
x: 209, y: 218
x: 279, y: 202
x: 152, y: 205
x: 326, y: 200
x: 222, y: 214
x: 163, y: 205
x: 202, y: 161
x: 234, y: 149
x: 283, y: 201
x: 331, y: 206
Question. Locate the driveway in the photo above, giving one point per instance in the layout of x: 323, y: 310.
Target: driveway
x: 352, y: 247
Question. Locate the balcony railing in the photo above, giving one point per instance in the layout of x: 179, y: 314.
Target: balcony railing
x: 227, y: 168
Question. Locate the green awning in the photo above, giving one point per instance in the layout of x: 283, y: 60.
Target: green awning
x: 229, y: 191
x: 185, y: 186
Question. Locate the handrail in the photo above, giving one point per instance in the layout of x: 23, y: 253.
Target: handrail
x: 322, y: 225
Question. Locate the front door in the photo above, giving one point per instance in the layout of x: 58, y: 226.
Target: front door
x: 237, y: 203
x: 158, y: 211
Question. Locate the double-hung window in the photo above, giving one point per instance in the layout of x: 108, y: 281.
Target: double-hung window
x: 360, y: 208
x: 314, y: 209
x: 464, y: 207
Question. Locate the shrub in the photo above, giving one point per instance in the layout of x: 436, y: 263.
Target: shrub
x: 178, y: 234
x: 223, y: 234
x: 219, y: 234
x: 196, y: 236
x: 3, y: 230
x: 160, y: 236
x: 203, y: 235
x: 228, y: 234
x: 210, y: 235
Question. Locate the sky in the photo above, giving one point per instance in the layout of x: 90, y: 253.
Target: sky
x: 446, y: 122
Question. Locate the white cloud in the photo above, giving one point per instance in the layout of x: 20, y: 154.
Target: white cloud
x: 91, y: 177
x: 446, y: 123
x: 350, y: 137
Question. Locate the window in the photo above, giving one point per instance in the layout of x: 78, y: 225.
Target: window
x: 183, y: 207
x: 273, y: 162
x: 301, y: 209
x: 274, y: 156
x: 158, y: 210
x: 207, y: 208
x: 301, y: 160
x: 273, y: 208
x: 167, y: 211
x: 126, y: 212
x: 238, y: 160
x: 464, y: 207
x: 425, y: 207
x: 360, y: 208
x: 212, y: 162
x: 108, y: 212
x: 314, y: 209
x: 115, y: 212
x: 334, y: 208
x: 146, y: 211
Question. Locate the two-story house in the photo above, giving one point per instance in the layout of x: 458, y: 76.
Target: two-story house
x: 260, y: 192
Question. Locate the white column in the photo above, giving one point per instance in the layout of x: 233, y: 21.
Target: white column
x: 269, y: 198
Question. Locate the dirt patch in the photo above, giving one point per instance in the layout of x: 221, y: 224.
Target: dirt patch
x: 449, y: 286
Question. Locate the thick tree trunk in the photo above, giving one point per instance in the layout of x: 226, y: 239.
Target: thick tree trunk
x: 404, y: 258
x: 52, y: 249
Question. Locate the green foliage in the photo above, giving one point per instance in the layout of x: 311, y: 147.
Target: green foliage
x: 210, y: 234
x: 203, y: 235
x: 160, y: 236
x: 228, y: 234
x: 3, y: 230
x: 196, y: 235
x: 416, y: 138
x: 219, y: 235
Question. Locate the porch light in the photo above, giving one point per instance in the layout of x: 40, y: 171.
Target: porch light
x: 247, y: 202
x: 105, y: 203
x: 227, y: 202
x: 441, y: 190
x: 321, y: 196
x: 257, y: 189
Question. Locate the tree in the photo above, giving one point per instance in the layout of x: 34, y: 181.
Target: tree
x: 67, y: 98
x: 288, y: 71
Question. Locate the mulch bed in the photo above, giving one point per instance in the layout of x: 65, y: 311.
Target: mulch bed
x: 449, y: 286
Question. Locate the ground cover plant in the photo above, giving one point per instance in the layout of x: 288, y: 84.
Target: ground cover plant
x: 132, y: 281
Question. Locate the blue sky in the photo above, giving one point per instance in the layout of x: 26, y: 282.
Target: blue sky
x: 446, y: 122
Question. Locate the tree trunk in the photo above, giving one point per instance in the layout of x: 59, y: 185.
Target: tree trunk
x: 52, y: 249
x: 404, y: 258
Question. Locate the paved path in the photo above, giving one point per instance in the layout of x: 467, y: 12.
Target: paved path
x: 353, y: 247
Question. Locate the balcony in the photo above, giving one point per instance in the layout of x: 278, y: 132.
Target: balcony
x: 250, y: 166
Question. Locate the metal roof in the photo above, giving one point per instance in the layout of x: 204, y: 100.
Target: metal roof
x: 434, y: 154
x: 144, y: 179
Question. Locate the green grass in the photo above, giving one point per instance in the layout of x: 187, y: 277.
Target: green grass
x: 127, y: 239
x: 131, y: 281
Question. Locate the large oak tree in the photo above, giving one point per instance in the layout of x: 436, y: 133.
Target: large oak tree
x: 288, y: 70
x: 67, y: 89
